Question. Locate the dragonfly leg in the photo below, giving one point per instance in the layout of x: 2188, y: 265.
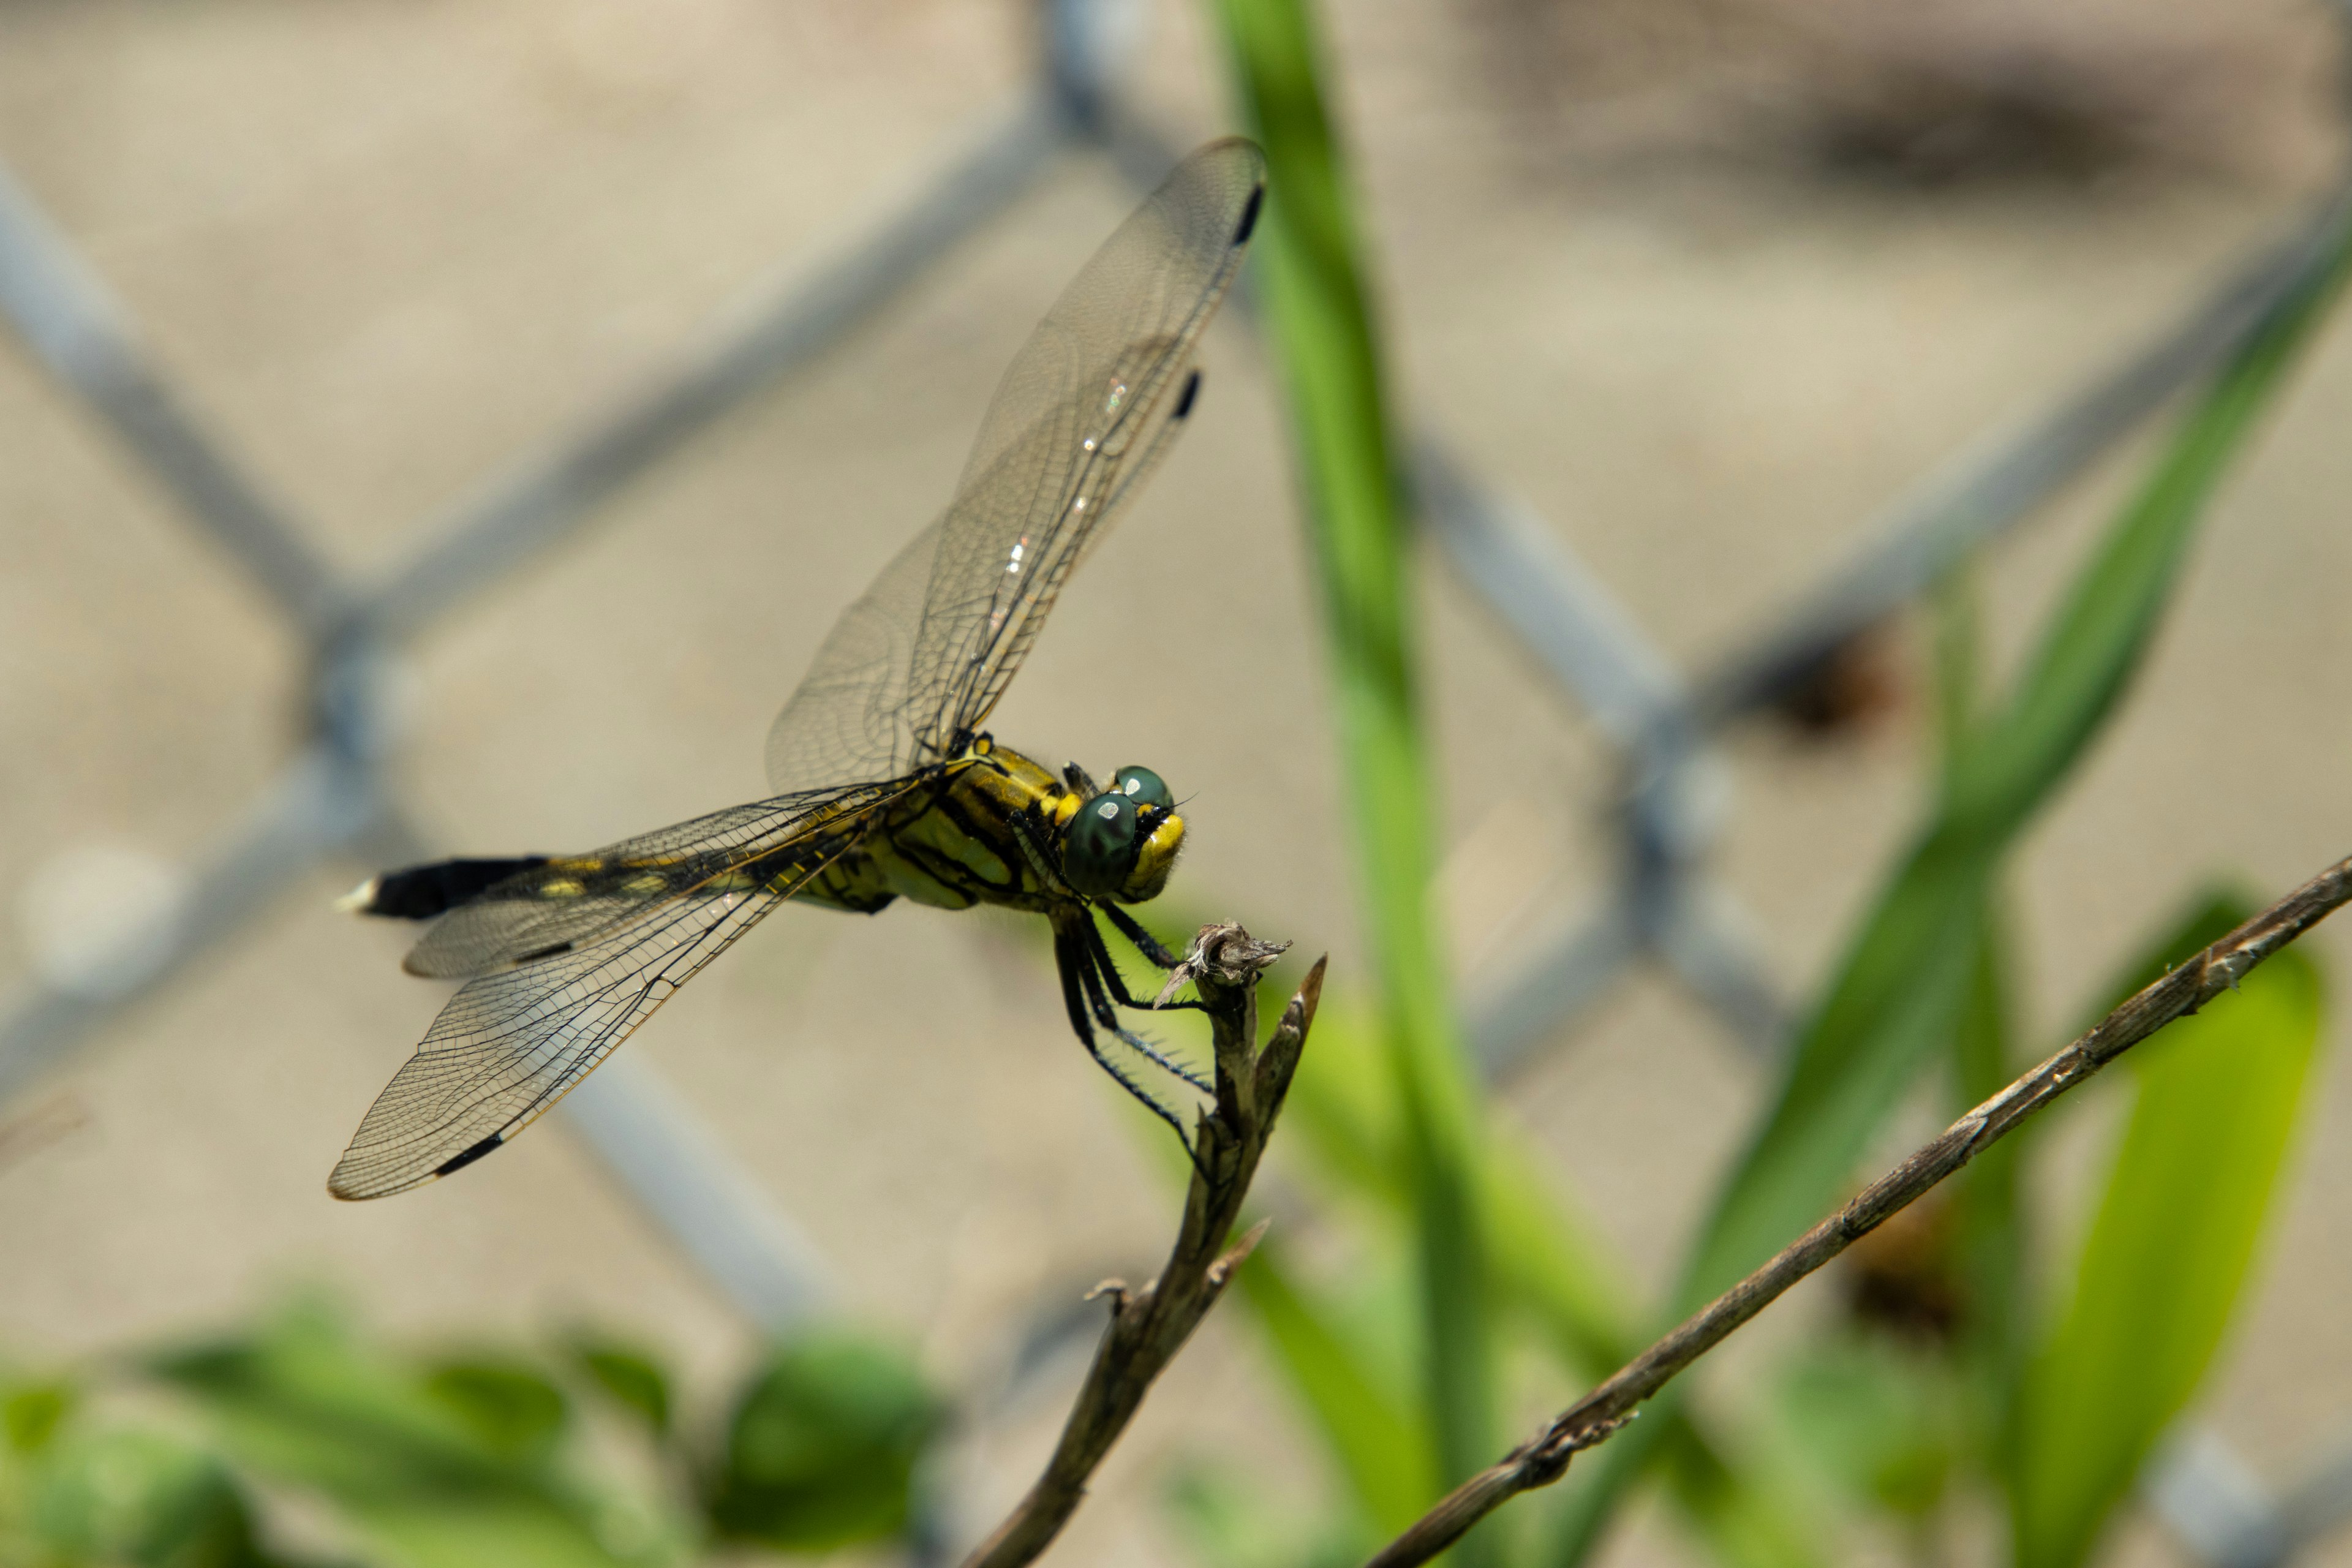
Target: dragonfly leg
x: 1145, y: 943
x: 1117, y: 982
x: 1100, y: 980
x: 1079, y: 987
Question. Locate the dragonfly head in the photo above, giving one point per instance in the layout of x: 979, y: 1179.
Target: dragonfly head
x: 1122, y: 843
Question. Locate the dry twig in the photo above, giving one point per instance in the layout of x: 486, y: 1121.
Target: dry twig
x: 1545, y: 1458
x: 1149, y: 1326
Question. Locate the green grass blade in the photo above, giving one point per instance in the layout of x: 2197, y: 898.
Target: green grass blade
x: 1381, y: 1447
x: 1989, y: 1221
x: 1309, y: 256
x: 1990, y: 1232
x: 2167, y: 1257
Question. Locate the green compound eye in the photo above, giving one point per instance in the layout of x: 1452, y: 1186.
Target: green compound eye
x: 1099, y: 849
x: 1144, y: 787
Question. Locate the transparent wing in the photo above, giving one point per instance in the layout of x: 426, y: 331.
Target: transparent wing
x: 511, y: 1044
x: 1078, y: 421
x: 576, y: 898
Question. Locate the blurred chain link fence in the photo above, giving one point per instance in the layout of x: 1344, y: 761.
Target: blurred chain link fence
x: 333, y: 799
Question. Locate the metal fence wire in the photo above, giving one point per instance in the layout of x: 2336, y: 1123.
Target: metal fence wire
x: 333, y: 798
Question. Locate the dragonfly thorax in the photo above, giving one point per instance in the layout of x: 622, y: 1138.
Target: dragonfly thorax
x: 992, y: 826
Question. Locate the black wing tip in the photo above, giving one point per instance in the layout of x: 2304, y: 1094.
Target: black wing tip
x: 1248, y: 225
x: 351, y: 1189
x: 1185, y: 399
x: 458, y: 1161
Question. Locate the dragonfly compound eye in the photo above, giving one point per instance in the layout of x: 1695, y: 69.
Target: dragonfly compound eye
x: 1144, y: 787
x: 1100, y: 847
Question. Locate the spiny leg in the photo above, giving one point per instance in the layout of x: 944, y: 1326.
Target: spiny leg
x: 1071, y: 958
x: 1145, y: 943
x: 1101, y: 980
x: 1107, y: 968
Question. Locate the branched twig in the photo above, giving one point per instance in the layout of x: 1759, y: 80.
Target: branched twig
x: 1544, y: 1460
x: 1149, y: 1325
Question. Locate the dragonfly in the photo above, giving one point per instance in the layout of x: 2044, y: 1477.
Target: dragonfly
x: 886, y: 783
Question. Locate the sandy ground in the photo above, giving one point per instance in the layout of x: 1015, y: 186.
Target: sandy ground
x: 1706, y: 284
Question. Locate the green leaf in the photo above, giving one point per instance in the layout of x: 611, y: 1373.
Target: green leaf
x: 129, y: 1497
x: 1311, y: 261
x: 628, y: 1376
x: 2167, y: 1257
x: 822, y: 1449
x: 31, y: 1414
x: 511, y: 1408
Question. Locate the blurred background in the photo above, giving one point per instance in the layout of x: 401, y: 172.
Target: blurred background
x: 1687, y: 296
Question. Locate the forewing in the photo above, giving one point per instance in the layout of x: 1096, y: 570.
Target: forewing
x: 576, y: 898
x: 1080, y: 417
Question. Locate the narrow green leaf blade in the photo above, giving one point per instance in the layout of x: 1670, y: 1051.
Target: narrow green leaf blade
x: 2166, y: 1258
x: 1380, y: 1446
x: 1310, y: 257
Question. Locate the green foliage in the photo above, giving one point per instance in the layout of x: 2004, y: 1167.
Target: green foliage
x: 1906, y: 983
x: 451, y: 1462
x: 30, y: 1414
x: 446, y: 1466
x: 822, y: 1449
x: 1555, y: 1283
x: 118, y: 1496
x: 2167, y: 1257
x: 1923, y: 978
x: 510, y: 1407
x: 629, y: 1375
x: 1903, y: 984
x: 75, y: 1491
x: 1380, y: 1441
